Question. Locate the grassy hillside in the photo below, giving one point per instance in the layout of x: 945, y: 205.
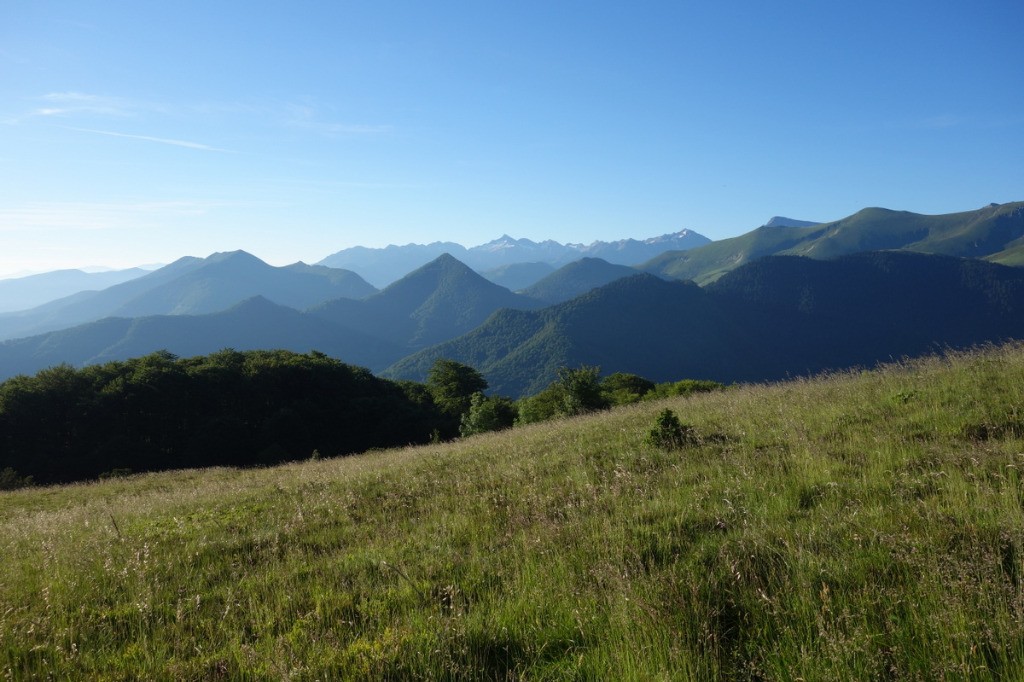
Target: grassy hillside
x: 864, y: 525
x: 1012, y: 256
x: 707, y: 263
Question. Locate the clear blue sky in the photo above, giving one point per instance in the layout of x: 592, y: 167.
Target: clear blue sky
x: 141, y: 131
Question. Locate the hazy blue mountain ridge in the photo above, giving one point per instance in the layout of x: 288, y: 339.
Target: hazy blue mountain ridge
x: 191, y: 286
x: 439, y: 301
x: 22, y: 293
x: 385, y: 265
x: 254, y: 324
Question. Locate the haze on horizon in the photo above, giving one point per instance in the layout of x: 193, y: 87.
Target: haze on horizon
x: 136, y: 133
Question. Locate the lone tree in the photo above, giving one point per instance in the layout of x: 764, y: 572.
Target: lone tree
x: 487, y: 414
x: 581, y: 390
x: 452, y: 385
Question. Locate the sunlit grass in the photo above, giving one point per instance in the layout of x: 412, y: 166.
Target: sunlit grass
x: 863, y: 525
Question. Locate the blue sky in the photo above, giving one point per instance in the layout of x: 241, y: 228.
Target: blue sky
x: 139, y: 132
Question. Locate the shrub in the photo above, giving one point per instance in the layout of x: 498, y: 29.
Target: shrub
x: 537, y: 408
x: 684, y: 387
x: 622, y: 388
x: 10, y: 480
x: 669, y: 434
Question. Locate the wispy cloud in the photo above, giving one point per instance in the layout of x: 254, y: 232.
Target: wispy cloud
x: 68, y: 103
x: 307, y: 118
x: 71, y: 104
x: 147, y: 138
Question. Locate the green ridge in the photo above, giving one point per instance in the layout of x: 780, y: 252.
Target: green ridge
x: 985, y: 233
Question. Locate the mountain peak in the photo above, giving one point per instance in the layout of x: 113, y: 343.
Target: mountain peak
x: 781, y: 221
x: 446, y: 260
x: 238, y: 256
x: 253, y: 305
x: 576, y: 278
x: 503, y: 242
x: 257, y: 302
x: 444, y: 267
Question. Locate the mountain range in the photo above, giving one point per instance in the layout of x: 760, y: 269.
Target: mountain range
x: 773, y: 318
x: 191, y: 286
x: 786, y: 298
x: 385, y: 265
x: 432, y: 304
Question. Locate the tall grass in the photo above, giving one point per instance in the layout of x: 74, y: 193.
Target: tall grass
x: 864, y: 525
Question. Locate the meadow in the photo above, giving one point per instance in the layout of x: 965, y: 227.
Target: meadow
x: 858, y: 525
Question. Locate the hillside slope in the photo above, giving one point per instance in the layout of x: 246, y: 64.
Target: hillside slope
x: 858, y: 526
x: 658, y: 329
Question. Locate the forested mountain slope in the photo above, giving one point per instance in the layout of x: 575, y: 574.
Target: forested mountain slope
x: 769, y: 319
x: 576, y: 278
x: 436, y: 302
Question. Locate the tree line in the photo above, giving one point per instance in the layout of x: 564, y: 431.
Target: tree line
x: 234, y: 408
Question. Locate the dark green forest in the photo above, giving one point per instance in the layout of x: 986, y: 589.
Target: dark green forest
x: 257, y: 408
x: 229, y: 408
